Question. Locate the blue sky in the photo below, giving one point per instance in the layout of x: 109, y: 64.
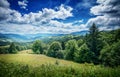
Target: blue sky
x: 57, y: 16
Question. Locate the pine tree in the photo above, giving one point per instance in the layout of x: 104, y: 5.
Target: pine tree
x: 93, y: 41
x: 12, y: 48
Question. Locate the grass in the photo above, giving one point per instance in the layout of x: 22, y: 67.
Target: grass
x: 33, y: 59
x: 33, y: 65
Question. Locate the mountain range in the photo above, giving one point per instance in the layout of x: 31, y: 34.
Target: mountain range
x: 32, y: 37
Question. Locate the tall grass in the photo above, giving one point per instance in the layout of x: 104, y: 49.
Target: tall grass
x: 55, y: 70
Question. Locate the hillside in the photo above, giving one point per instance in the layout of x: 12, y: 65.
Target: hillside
x: 23, y: 57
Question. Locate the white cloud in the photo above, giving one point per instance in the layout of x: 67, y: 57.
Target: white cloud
x: 43, y: 16
x: 11, y: 21
x: 107, y: 7
x: 23, y: 4
x: 107, y: 14
x: 58, y: 28
x: 4, y: 3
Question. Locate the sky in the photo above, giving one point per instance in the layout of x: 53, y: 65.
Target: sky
x: 57, y: 16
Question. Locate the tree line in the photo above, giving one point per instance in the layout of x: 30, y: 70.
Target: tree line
x: 14, y: 48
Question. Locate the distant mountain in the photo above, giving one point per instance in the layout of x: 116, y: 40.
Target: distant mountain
x: 32, y: 37
x: 26, y: 37
x: 80, y: 32
x: 13, y: 37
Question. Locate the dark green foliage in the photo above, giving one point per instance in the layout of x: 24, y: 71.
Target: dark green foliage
x: 117, y: 35
x: 107, y: 37
x: 84, y: 55
x: 55, y: 50
x: 60, y: 54
x: 37, y: 47
x: 63, y: 45
x: 12, y: 48
x: 94, y: 42
x: 93, y: 39
x: 80, y: 42
x: 4, y: 49
x: 110, y: 55
x: 3, y: 42
x: 71, y: 47
x: 18, y: 48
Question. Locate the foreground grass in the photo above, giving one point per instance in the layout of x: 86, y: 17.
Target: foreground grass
x: 32, y: 65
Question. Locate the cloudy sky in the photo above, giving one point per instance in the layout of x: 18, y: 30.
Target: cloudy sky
x: 57, y: 16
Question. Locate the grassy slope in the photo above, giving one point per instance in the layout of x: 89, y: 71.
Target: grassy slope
x: 33, y: 59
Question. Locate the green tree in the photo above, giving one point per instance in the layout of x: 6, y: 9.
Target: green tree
x: 83, y: 55
x: 18, y: 48
x: 37, y: 47
x: 117, y: 35
x: 12, y: 48
x: 80, y: 42
x: 93, y: 39
x: 70, y: 48
x: 94, y: 43
x: 55, y: 49
x: 110, y: 55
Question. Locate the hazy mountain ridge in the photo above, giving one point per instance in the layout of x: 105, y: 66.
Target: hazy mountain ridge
x: 32, y: 37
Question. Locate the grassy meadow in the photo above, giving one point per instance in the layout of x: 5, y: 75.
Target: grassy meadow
x: 25, y: 57
x: 26, y: 64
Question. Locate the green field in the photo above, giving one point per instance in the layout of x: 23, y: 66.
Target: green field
x: 24, y: 57
x: 25, y: 64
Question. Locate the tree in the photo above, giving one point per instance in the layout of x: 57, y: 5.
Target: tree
x: 93, y: 42
x: 55, y: 49
x: 12, y: 48
x: 80, y: 42
x: 70, y: 48
x: 37, y: 47
x: 83, y: 54
x: 18, y: 48
x: 110, y: 55
x: 117, y: 35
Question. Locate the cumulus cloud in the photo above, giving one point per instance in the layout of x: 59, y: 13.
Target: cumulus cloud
x: 43, y: 16
x: 54, y: 27
x: 23, y: 4
x: 107, y: 14
x: 4, y: 9
x: 4, y: 3
x: 44, y: 21
x: 107, y: 7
